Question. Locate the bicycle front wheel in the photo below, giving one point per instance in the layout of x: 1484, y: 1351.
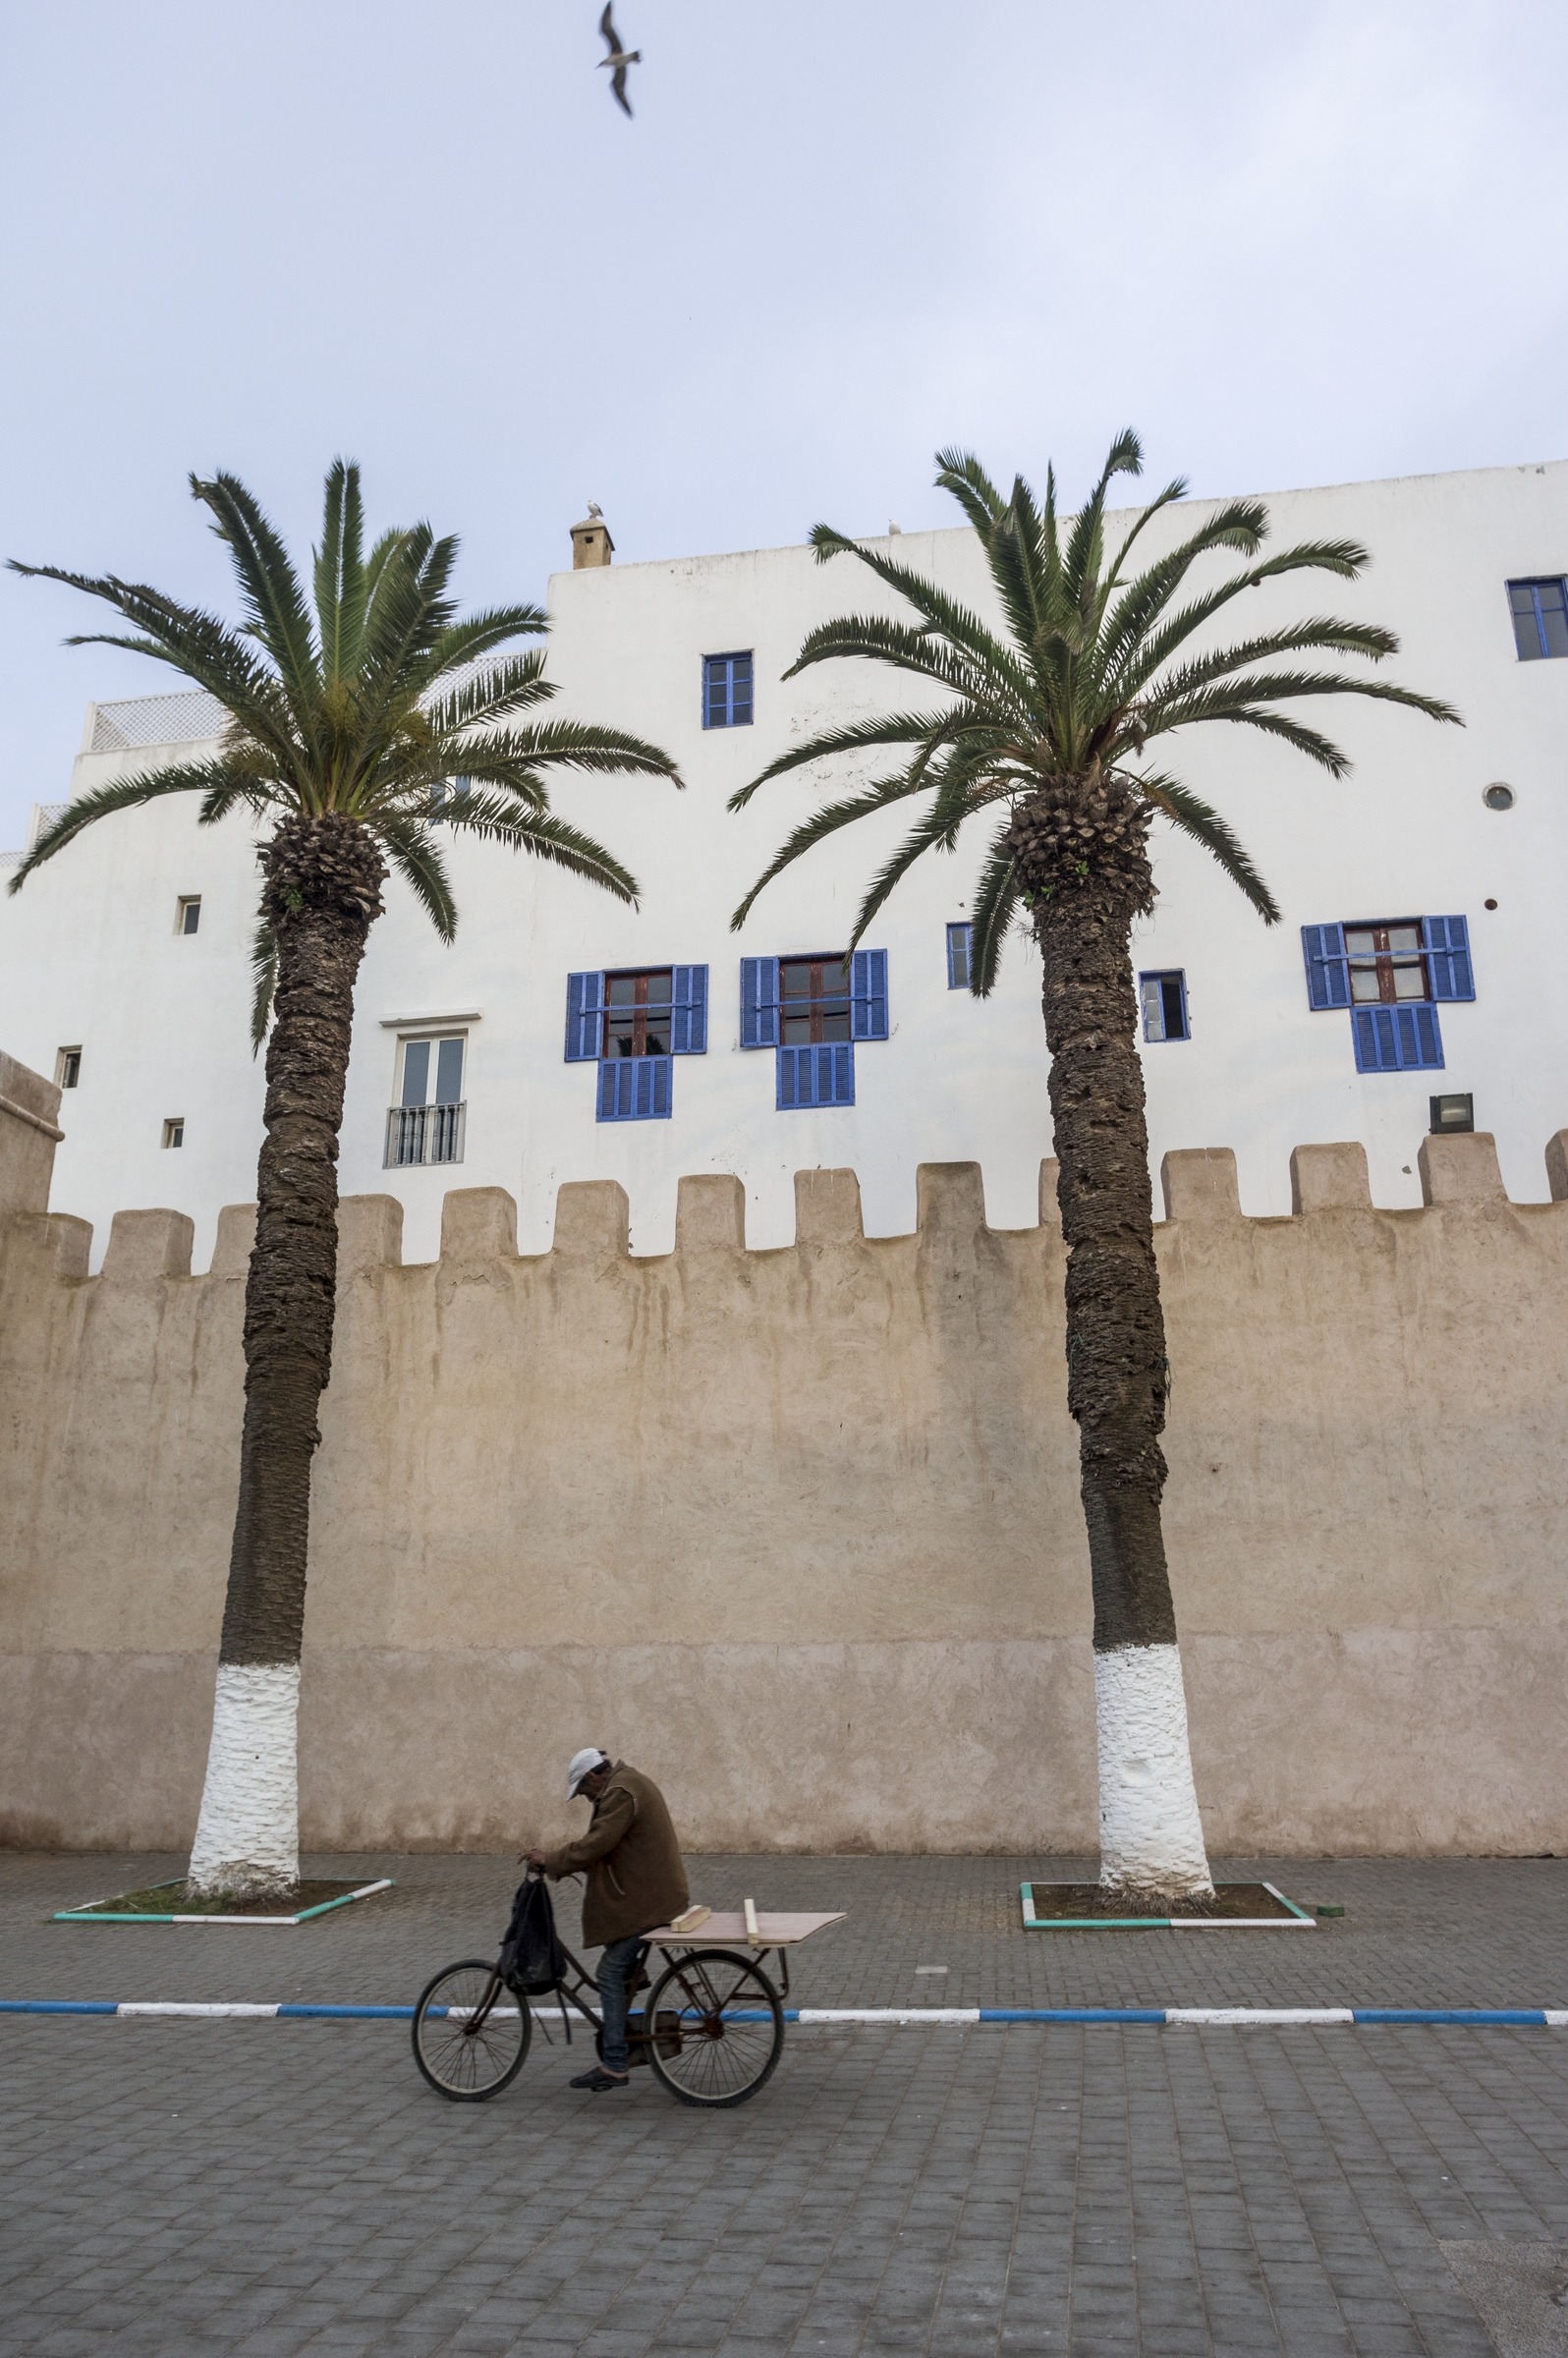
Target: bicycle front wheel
x: 471, y: 2032
x: 719, y: 2028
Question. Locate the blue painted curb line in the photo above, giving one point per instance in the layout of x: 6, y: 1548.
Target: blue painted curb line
x: 884, y: 2017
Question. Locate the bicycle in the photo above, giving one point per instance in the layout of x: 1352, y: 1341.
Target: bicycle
x: 711, y: 2026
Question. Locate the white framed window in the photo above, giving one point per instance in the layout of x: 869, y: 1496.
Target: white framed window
x: 174, y: 1130
x: 428, y: 1117
x: 188, y: 913
x: 67, y: 1068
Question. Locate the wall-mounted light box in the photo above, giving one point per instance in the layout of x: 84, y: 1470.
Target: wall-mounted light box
x: 1452, y: 1113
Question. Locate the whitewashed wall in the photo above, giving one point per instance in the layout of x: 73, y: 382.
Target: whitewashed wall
x: 89, y: 955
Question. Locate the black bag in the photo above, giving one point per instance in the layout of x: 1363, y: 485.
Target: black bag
x: 532, y: 1959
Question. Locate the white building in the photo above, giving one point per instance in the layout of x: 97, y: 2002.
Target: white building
x: 124, y: 965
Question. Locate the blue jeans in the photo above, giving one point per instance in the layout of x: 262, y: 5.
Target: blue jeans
x: 618, y: 1964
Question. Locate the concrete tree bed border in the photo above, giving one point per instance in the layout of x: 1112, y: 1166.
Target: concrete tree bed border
x: 105, y: 1912
x: 1296, y: 1921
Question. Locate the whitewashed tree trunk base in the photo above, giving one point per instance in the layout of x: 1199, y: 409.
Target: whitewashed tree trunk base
x: 248, y: 1835
x: 1150, y: 1836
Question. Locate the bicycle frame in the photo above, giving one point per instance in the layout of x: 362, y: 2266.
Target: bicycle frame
x: 572, y: 1989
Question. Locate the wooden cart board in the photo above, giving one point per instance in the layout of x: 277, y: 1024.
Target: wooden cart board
x: 723, y: 1929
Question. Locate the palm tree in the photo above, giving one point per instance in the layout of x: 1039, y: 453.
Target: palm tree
x: 342, y: 728
x: 1050, y: 719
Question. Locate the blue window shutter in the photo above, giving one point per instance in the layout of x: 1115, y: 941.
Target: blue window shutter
x: 1328, y: 972
x: 867, y: 998
x: 584, y: 1017
x: 760, y: 1002
x: 1446, y: 943
x: 1402, y: 1038
x: 1421, y: 1044
x: 688, y: 1013
x: 817, y: 1076
x: 634, y: 1089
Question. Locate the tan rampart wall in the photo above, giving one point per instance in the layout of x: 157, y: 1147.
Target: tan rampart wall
x: 799, y: 1530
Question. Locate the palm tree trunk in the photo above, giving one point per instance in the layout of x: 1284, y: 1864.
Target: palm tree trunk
x: 1151, y: 1841
x: 322, y: 890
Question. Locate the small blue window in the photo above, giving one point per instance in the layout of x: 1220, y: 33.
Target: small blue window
x: 727, y: 692
x: 1164, y: 1003
x: 959, y: 939
x: 1540, y: 617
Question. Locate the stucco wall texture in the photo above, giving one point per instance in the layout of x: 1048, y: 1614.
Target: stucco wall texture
x: 799, y: 1530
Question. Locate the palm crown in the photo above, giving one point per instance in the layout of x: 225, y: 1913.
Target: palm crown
x: 363, y: 708
x: 1089, y: 671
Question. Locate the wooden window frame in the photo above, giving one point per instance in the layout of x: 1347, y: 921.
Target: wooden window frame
x: 640, y: 977
x: 817, y: 1000
x: 1386, y: 961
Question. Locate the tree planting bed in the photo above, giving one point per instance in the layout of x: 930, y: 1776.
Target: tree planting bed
x: 1085, y: 1908
x: 161, y: 1903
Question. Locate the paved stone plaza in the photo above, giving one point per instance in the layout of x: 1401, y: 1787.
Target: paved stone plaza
x: 260, y: 2188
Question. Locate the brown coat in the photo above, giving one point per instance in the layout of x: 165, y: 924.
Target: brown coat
x: 633, y: 1862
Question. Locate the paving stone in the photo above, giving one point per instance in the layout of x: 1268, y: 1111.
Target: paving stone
x: 257, y: 2190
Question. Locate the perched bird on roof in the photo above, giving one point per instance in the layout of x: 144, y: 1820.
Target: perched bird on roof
x: 619, y: 59
x: 595, y: 511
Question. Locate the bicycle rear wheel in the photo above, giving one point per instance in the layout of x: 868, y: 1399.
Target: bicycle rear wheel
x: 720, y: 2028
x: 471, y: 2033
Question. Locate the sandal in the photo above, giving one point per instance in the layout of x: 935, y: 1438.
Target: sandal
x: 599, y: 2079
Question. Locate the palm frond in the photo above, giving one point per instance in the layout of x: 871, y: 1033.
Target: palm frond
x: 937, y: 829
x: 494, y: 820
x: 340, y: 585
x: 941, y: 613
x: 418, y: 861
x: 1139, y: 662
x: 854, y: 737
x: 263, y: 983
x: 274, y: 602
x: 188, y: 642
x: 488, y: 695
x: 995, y: 909
x: 826, y: 821
x: 1197, y: 818
x: 122, y: 793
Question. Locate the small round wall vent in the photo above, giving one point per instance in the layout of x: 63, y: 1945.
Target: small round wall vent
x: 1498, y: 796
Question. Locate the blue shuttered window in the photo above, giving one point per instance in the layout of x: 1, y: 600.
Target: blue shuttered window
x: 817, y: 1076
x: 1327, y: 968
x: 662, y: 1010
x: 1393, y: 993
x: 1539, y: 609
x: 688, y: 1013
x: 760, y: 1002
x: 584, y: 1017
x: 960, y: 939
x: 868, y: 997
x: 1446, y: 943
x: 1397, y: 1040
x: 727, y: 692
x: 634, y: 1089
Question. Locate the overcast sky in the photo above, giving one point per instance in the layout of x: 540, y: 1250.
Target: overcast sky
x: 1291, y: 244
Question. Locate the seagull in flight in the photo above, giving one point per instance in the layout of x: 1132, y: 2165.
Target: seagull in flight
x: 618, y: 58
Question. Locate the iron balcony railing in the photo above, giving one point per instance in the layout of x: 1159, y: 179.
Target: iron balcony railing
x: 424, y: 1134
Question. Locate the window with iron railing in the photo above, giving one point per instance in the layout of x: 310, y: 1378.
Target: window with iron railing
x: 429, y: 1122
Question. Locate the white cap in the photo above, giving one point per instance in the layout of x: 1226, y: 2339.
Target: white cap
x: 584, y: 1765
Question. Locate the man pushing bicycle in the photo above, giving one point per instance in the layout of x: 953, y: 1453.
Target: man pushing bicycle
x: 636, y: 1882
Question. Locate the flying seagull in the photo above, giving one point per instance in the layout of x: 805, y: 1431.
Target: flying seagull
x: 618, y: 58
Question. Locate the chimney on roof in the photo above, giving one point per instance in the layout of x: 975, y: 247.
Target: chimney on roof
x: 590, y: 541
